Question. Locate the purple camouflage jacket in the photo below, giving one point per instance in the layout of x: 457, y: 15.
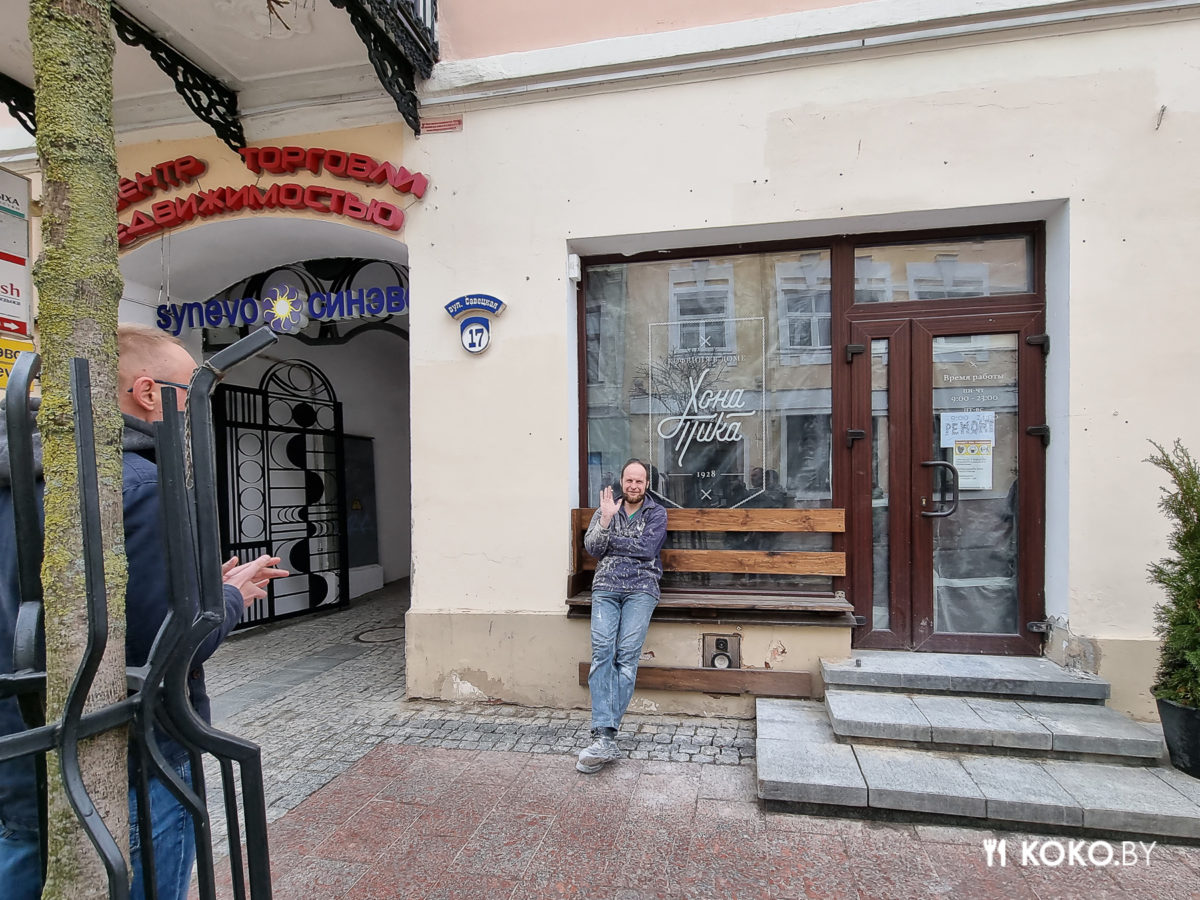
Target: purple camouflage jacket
x: 628, y: 549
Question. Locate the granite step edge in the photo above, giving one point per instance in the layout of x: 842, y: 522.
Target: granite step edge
x: 1032, y: 677
x: 852, y: 792
x: 989, y: 686
x: 966, y: 808
x: 1056, y: 730
x: 1005, y: 752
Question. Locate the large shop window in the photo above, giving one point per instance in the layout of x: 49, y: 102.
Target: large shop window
x: 717, y: 372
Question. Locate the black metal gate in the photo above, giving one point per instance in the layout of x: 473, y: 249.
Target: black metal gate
x: 282, y: 491
x: 158, y: 691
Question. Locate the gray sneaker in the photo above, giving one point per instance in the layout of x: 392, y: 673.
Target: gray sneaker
x: 603, y: 750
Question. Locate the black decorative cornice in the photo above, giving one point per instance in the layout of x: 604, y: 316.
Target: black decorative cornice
x: 400, y: 45
x: 211, y: 101
x: 397, y: 69
x: 398, y: 19
x: 19, y: 100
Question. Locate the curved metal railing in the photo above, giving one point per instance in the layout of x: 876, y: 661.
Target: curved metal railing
x: 158, y: 692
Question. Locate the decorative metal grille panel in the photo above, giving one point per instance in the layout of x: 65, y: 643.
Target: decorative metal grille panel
x: 282, y: 462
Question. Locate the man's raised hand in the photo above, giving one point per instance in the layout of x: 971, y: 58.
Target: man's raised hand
x: 608, y: 506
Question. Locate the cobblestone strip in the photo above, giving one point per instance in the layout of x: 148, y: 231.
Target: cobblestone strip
x: 480, y: 727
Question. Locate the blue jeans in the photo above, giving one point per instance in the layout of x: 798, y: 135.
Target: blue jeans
x: 174, y: 840
x: 174, y: 849
x: 20, y: 864
x: 619, y: 624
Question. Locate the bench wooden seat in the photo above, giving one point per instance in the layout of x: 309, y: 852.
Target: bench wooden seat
x: 792, y: 607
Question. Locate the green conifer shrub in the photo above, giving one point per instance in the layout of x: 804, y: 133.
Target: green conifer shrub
x: 1178, y: 617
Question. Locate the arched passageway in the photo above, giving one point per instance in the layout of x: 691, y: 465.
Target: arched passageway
x: 335, y: 499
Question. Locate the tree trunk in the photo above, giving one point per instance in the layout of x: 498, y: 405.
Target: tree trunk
x: 79, y: 289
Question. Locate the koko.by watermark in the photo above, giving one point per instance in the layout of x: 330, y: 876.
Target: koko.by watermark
x: 1052, y: 853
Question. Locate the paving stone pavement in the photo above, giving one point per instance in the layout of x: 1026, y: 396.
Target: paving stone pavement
x: 371, y: 795
x: 412, y: 821
x: 317, y: 693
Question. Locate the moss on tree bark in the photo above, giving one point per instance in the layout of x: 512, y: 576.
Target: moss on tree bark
x: 79, y: 289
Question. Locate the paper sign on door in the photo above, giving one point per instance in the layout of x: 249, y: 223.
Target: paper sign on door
x: 973, y: 459
x: 968, y: 426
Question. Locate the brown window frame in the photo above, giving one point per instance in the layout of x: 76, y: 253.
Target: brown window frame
x: 844, y: 313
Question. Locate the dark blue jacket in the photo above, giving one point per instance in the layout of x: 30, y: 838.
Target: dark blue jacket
x: 146, y: 599
x: 628, y: 549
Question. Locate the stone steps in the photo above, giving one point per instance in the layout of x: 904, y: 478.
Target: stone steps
x: 963, y: 674
x: 801, y: 762
x: 986, y: 725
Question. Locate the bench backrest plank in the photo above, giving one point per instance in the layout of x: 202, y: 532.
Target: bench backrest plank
x: 773, y: 520
x: 815, y: 520
x: 775, y: 562
x: 748, y: 562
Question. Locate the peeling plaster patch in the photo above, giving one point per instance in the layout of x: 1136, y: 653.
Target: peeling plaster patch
x: 458, y: 689
x: 775, y: 653
x: 642, y: 705
x: 646, y: 656
x: 1070, y: 650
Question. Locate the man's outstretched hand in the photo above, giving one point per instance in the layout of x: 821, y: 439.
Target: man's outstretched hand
x: 251, y: 578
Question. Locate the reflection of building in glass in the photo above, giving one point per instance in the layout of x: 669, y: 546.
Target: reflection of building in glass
x: 804, y: 303
x: 943, y: 270
x: 725, y: 369
x: 702, y: 309
x: 719, y: 371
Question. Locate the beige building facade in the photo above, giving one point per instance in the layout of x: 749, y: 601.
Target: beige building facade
x: 1034, y: 120
x: 868, y: 235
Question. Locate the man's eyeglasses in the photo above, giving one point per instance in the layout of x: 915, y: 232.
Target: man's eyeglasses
x: 174, y: 384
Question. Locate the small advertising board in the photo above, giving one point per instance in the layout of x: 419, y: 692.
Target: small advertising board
x: 10, y: 349
x: 15, y: 286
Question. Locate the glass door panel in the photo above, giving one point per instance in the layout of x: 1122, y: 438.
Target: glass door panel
x: 973, y: 505
x: 880, y: 493
x: 878, y: 447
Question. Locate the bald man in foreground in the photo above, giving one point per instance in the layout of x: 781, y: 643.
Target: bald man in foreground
x: 149, y: 361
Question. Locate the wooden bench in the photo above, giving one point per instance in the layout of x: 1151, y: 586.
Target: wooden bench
x: 767, y: 607
x: 714, y: 607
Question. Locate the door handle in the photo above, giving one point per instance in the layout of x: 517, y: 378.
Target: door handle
x: 942, y: 464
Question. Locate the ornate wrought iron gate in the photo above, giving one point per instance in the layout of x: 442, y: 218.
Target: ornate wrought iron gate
x: 282, y: 486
